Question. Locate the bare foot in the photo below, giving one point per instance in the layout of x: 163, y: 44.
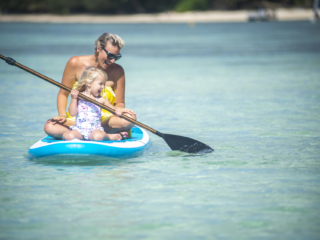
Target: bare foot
x: 115, y: 136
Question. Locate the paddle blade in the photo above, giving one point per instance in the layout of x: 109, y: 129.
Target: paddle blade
x: 186, y: 144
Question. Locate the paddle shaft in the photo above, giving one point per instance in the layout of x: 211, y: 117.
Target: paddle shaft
x: 14, y: 63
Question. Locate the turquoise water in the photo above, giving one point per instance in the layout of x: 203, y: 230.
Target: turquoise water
x: 251, y: 91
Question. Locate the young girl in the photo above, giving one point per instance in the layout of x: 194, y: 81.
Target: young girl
x: 88, y: 123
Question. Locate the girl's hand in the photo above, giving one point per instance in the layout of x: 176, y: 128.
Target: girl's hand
x: 120, y: 111
x: 74, y: 94
x: 61, y: 119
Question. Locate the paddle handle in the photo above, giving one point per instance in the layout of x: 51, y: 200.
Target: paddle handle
x: 64, y: 87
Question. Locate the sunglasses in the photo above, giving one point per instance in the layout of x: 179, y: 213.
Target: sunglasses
x: 111, y: 56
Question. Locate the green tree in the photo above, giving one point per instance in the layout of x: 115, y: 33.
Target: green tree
x: 191, y: 5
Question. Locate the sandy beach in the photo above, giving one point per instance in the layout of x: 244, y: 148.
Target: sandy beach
x: 168, y: 17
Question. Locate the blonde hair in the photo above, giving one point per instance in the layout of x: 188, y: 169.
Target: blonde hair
x: 88, y: 76
x: 105, y: 38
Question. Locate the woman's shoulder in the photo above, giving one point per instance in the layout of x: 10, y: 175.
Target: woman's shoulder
x: 79, y: 61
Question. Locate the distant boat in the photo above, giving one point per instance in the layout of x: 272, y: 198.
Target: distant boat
x: 261, y: 15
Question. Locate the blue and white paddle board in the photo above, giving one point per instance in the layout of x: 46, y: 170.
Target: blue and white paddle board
x: 133, y: 146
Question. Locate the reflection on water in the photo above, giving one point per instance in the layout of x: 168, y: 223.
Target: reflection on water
x: 81, y: 160
x: 251, y: 91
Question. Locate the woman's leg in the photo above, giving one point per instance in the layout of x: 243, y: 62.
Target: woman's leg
x: 72, y: 135
x: 116, y: 124
x: 98, y: 135
x: 56, y: 130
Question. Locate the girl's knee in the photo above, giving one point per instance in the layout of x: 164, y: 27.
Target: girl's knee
x: 68, y: 136
x: 98, y: 136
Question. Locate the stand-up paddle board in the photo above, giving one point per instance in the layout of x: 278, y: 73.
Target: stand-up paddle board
x: 133, y: 146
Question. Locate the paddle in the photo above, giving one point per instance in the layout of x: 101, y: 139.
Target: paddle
x: 175, y: 142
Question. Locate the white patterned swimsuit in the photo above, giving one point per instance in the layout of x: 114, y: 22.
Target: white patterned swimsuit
x: 87, y: 119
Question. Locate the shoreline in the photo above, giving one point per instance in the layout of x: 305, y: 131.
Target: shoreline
x: 168, y: 17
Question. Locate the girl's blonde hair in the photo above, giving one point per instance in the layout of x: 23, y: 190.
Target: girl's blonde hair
x: 88, y: 76
x: 105, y: 38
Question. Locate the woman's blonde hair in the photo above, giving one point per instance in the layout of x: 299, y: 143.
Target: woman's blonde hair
x: 88, y: 76
x: 105, y: 38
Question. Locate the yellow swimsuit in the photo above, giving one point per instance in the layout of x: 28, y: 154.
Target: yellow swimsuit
x: 107, y: 93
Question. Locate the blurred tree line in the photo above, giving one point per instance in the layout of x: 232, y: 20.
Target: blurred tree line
x: 139, y: 6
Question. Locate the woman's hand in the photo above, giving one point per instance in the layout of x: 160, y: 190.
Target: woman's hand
x: 74, y: 94
x: 120, y: 111
x: 61, y: 119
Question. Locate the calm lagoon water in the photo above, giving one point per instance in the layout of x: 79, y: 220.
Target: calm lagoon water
x: 251, y: 91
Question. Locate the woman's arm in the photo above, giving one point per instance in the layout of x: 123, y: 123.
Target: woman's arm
x: 68, y: 78
x: 118, y: 77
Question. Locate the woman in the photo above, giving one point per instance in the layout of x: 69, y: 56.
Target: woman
x: 107, y: 51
